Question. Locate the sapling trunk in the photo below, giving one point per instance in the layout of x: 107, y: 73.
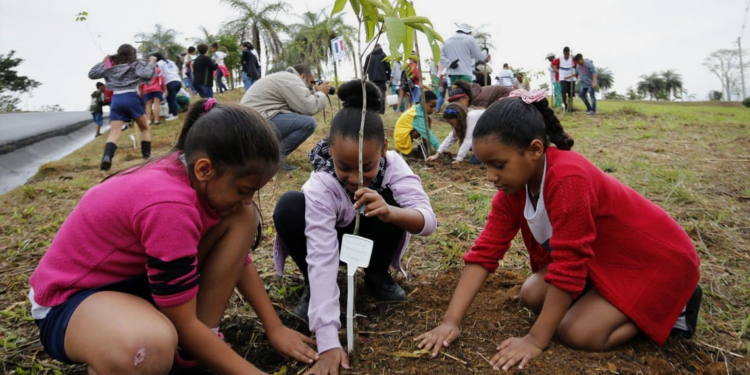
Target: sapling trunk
x: 427, y: 144
x: 354, y: 349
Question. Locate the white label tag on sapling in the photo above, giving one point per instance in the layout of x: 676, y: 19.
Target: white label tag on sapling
x: 356, y: 252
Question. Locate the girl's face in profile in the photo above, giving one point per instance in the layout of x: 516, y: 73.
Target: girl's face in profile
x: 452, y: 121
x: 228, y: 191
x: 508, y: 167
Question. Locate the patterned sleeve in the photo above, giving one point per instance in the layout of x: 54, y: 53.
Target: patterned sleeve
x: 97, y: 71
x: 170, y: 233
x: 571, y: 211
x: 502, y: 226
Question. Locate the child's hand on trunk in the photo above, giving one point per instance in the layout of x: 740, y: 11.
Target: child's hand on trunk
x: 375, y: 205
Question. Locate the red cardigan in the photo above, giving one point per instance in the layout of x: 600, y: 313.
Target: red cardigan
x: 605, y: 233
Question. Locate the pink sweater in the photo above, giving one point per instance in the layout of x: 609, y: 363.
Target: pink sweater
x: 150, y: 221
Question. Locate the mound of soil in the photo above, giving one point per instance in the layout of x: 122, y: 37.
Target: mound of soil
x: 387, y: 331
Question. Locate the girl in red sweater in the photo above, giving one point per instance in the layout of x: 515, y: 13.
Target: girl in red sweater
x: 607, y: 263
x: 172, y: 243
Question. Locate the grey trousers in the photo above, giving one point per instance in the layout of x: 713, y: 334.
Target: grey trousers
x: 294, y: 130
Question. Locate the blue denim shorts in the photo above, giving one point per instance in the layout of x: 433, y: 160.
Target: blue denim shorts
x: 126, y: 107
x: 53, y: 327
x: 98, y: 118
x: 153, y: 95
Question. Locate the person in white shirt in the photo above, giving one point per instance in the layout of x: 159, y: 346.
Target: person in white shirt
x: 459, y: 52
x: 218, y: 57
x: 396, y: 70
x: 187, y: 70
x: 505, y: 78
x: 554, y: 83
x: 521, y: 82
x: 462, y: 120
x: 172, y: 80
x: 566, y: 72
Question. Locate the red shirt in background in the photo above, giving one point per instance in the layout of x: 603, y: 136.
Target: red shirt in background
x: 556, y: 64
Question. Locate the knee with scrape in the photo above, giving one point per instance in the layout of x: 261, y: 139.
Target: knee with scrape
x: 140, y: 356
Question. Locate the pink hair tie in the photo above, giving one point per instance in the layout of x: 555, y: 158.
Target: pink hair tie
x: 210, y: 103
x: 529, y: 97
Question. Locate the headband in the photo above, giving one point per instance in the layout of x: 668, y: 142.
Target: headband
x: 210, y: 103
x: 528, y: 97
x: 456, y: 97
x: 451, y: 112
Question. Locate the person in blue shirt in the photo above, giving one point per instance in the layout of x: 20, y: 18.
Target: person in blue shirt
x: 586, y: 74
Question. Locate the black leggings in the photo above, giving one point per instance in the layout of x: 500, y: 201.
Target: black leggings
x: 289, y: 219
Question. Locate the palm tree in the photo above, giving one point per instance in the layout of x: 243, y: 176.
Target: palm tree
x: 672, y: 83
x: 162, y: 40
x: 650, y: 85
x: 259, y: 21
x: 207, y: 37
x: 310, y: 39
x: 605, y: 79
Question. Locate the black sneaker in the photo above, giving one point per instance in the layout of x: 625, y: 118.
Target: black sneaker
x: 304, y: 304
x: 106, y: 163
x: 691, y: 314
x: 383, y: 287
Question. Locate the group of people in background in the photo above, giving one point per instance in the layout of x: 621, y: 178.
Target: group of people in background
x: 567, y: 71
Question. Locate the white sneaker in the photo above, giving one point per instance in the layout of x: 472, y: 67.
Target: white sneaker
x: 171, y: 117
x: 149, y: 122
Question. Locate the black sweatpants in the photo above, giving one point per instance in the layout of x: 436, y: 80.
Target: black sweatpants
x: 289, y: 219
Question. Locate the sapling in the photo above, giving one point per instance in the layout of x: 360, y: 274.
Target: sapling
x: 399, y: 21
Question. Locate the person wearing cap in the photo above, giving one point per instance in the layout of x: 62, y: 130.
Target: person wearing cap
x: 554, y: 80
x: 250, y: 66
x: 458, y: 54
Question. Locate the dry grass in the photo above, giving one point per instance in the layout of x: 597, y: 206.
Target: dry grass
x: 693, y: 160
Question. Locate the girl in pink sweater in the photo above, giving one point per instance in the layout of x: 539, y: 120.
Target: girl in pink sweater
x: 171, y: 244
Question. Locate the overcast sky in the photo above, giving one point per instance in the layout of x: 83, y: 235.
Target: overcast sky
x: 631, y: 37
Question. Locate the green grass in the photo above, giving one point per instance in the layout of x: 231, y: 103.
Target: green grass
x: 690, y: 158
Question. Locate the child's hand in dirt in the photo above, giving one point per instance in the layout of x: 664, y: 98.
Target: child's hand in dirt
x: 433, y: 157
x: 375, y: 205
x: 291, y: 343
x: 329, y: 363
x: 515, y: 350
x: 442, y: 336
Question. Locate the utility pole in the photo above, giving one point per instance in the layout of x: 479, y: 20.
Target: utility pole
x: 742, y: 68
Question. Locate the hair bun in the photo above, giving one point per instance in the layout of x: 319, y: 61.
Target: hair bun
x: 350, y: 94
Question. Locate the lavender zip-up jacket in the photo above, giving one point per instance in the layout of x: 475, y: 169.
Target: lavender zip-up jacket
x: 327, y: 206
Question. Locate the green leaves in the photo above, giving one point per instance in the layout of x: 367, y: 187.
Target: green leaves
x: 82, y: 16
x: 398, y: 19
x: 396, y: 32
x: 338, y: 7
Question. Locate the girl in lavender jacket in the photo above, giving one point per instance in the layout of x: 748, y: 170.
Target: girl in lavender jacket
x: 310, y: 223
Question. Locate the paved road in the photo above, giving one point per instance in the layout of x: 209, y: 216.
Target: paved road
x: 18, y: 126
x: 18, y: 166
